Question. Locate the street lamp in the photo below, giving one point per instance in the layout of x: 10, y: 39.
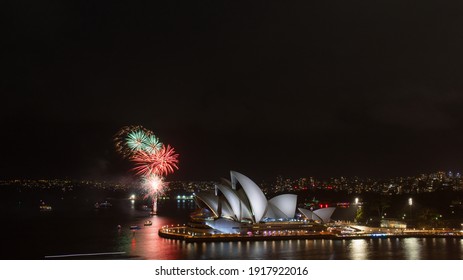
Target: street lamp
x: 357, y: 212
x: 410, y: 204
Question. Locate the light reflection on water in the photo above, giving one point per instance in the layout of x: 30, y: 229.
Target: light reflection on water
x: 358, y: 249
x: 412, y: 248
x: 146, y: 244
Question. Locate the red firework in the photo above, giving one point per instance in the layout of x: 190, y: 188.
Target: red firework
x: 162, y: 162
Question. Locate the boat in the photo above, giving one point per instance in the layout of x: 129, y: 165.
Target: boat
x: 148, y: 223
x: 45, y: 207
x: 145, y: 208
x: 103, y: 205
x: 134, y: 228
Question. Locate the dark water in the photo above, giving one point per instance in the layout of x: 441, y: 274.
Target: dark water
x: 80, y: 229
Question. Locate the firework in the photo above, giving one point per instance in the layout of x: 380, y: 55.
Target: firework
x: 152, y: 144
x: 152, y: 159
x: 120, y: 140
x: 167, y: 160
x: 154, y: 186
x: 131, y: 139
x: 136, y: 140
x: 162, y: 162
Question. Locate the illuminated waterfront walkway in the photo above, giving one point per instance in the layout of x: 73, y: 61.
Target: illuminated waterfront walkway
x: 182, y: 232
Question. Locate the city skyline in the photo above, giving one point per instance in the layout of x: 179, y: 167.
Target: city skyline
x: 328, y: 89
x: 416, y: 184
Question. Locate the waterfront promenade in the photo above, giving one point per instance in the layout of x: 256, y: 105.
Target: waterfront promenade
x: 186, y: 234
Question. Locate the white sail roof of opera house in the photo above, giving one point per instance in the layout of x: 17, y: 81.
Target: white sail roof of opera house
x: 216, y: 205
x: 239, y: 208
x: 286, y: 203
x: 242, y: 200
x: 257, y: 199
x: 322, y: 215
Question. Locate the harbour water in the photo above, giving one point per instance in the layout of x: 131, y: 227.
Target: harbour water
x: 81, y: 229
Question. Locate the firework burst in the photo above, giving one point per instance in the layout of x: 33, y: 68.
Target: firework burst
x: 131, y: 139
x: 120, y: 140
x: 162, y: 162
x: 152, y: 144
x: 136, y: 140
x: 154, y: 185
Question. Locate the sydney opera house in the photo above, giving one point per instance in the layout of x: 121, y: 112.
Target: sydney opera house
x: 239, y: 206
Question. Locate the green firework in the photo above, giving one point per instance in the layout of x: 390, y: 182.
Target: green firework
x: 136, y: 140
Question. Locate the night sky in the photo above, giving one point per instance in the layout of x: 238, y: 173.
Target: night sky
x: 297, y: 88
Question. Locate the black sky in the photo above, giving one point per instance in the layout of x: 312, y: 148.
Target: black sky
x: 298, y: 88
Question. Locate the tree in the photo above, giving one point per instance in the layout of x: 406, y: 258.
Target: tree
x: 380, y: 205
x: 360, y: 215
x: 429, y: 217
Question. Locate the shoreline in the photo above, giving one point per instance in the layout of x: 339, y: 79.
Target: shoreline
x: 240, y: 238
